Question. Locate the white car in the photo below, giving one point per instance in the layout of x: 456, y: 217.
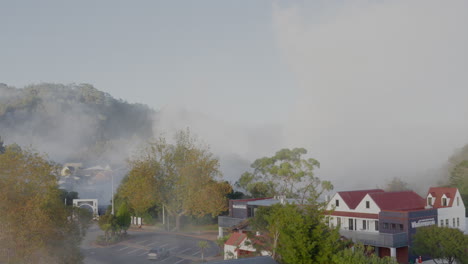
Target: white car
x: 158, y: 253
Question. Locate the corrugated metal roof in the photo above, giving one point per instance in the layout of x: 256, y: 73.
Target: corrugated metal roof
x: 270, y: 202
x: 353, y: 198
x: 438, y: 192
x: 236, y: 239
x: 400, y: 201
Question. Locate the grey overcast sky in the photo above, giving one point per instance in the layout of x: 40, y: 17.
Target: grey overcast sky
x: 374, y: 89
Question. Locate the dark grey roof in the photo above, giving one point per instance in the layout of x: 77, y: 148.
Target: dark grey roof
x: 253, y: 260
x: 270, y: 202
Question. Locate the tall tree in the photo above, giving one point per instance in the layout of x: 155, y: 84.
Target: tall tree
x: 36, y: 226
x: 286, y: 173
x: 181, y: 176
x: 123, y: 217
x: 443, y: 244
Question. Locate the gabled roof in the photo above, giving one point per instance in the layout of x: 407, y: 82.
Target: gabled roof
x: 353, y: 198
x: 236, y: 239
x: 438, y: 192
x: 398, y: 201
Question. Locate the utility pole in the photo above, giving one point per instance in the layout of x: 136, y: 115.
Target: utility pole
x: 112, y: 193
x: 164, y: 217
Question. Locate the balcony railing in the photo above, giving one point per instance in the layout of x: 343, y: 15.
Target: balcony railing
x: 226, y: 221
x: 377, y: 239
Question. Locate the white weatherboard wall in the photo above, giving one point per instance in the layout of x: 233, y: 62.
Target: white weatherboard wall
x: 342, y: 205
x: 373, y: 207
x: 457, y: 211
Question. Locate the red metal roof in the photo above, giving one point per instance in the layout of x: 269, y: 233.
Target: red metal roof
x: 236, y: 239
x: 353, y: 214
x: 353, y: 198
x: 402, y: 201
x: 438, y: 192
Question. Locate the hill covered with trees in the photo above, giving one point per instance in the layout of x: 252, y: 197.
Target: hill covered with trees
x: 73, y: 123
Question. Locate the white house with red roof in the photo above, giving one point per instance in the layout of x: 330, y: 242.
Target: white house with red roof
x: 388, y: 220
x: 239, y: 245
x: 449, y: 205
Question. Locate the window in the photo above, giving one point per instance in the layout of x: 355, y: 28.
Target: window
x: 338, y: 221
x: 458, y: 221
x: 401, y: 227
x: 446, y: 222
x: 364, y: 226
x: 385, y: 225
x: 429, y: 200
x: 444, y: 201
x: 393, y: 226
x: 337, y: 202
x: 376, y: 225
x: 458, y: 201
x: 442, y: 222
x: 453, y: 221
x: 350, y: 224
x: 367, y: 204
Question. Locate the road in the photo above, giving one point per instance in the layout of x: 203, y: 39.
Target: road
x: 184, y: 249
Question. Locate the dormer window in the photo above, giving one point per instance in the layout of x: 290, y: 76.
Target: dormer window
x: 429, y: 201
x: 337, y: 202
x: 367, y: 204
x: 444, y: 201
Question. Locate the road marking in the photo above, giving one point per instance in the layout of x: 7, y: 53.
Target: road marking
x: 141, y: 242
x: 195, y: 253
x: 144, y: 253
x: 179, y: 261
x: 152, y: 244
x: 123, y: 248
x: 164, y: 245
x: 172, y: 248
x: 185, y: 250
x: 135, y: 250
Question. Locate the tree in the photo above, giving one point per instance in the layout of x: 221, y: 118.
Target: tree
x: 441, y: 243
x: 123, y: 217
x: 295, y: 234
x: 2, y: 146
x: 203, y: 245
x: 36, y: 225
x: 396, y: 184
x: 181, y: 176
x: 459, y: 179
x: 285, y: 173
x: 360, y: 254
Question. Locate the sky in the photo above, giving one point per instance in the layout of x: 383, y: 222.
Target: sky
x: 373, y: 89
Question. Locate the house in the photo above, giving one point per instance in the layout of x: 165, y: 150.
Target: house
x: 239, y: 246
x: 252, y: 260
x: 449, y: 205
x: 388, y: 220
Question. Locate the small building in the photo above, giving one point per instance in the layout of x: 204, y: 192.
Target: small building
x: 449, y: 205
x: 239, y: 245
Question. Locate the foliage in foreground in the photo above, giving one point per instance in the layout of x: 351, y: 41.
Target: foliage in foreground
x: 36, y: 226
x: 360, y: 254
x: 443, y: 243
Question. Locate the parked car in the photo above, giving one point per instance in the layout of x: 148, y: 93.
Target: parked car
x: 158, y: 253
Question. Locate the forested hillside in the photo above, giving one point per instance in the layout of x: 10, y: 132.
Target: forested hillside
x: 73, y: 123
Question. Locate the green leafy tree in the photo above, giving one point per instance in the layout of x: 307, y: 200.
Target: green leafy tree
x: 443, y: 244
x: 123, y: 217
x: 285, y: 173
x: 459, y: 179
x: 36, y: 226
x: 360, y: 254
x: 295, y: 234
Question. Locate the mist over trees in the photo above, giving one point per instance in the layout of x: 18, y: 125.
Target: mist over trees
x: 73, y: 122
